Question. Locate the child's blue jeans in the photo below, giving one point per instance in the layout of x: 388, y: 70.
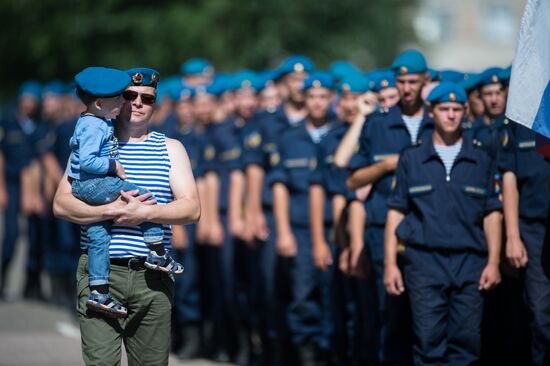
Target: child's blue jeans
x: 100, y: 191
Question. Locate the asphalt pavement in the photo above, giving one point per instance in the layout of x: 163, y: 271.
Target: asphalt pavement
x: 37, y: 333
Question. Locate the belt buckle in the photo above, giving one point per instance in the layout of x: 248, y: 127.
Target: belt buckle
x: 134, y: 264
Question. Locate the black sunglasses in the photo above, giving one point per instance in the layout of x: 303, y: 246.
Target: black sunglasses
x: 147, y: 99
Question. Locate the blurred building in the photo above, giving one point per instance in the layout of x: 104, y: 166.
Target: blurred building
x: 468, y: 34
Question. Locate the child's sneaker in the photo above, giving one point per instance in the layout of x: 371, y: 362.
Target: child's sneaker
x: 163, y: 263
x: 106, y: 304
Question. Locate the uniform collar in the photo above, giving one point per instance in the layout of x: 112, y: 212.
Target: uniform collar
x: 479, y: 122
x: 466, y: 151
x: 302, y: 125
x: 399, y: 122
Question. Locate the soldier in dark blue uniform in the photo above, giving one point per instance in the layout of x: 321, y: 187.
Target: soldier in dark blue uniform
x: 328, y: 200
x: 505, y: 316
x: 225, y: 180
x: 489, y: 129
x: 525, y: 202
x: 446, y: 211
x: 384, y: 136
x: 260, y: 141
x: 187, y: 300
x: 383, y: 83
x: 23, y: 142
x: 308, y: 313
x: 62, y: 249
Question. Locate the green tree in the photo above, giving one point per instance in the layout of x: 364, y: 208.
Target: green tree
x: 49, y: 39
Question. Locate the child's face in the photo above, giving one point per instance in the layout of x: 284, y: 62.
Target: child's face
x: 111, y: 106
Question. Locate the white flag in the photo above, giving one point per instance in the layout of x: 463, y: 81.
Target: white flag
x: 529, y: 94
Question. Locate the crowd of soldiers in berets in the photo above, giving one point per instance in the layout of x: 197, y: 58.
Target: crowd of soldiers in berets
x: 346, y: 219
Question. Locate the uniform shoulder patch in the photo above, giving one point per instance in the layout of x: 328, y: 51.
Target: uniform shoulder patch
x: 253, y: 140
x: 505, y: 138
x: 209, y: 153
x: 274, y: 159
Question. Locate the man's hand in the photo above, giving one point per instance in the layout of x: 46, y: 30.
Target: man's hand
x: 344, y: 261
x: 363, y: 193
x: 237, y: 227
x: 179, y: 237
x: 27, y: 204
x: 286, y: 245
x: 3, y: 198
x: 490, y: 277
x: 367, y: 104
x: 322, y: 257
x: 202, y: 231
x: 356, y: 260
x: 216, y: 234
x: 261, y: 232
x: 119, y: 171
x: 130, y: 209
x: 516, y: 252
x: 393, y: 280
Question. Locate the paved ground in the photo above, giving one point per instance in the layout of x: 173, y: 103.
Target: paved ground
x: 33, y: 333
x: 37, y: 334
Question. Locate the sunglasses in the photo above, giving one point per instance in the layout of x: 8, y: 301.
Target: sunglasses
x: 147, y: 99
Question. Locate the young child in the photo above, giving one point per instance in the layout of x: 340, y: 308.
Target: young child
x: 98, y: 178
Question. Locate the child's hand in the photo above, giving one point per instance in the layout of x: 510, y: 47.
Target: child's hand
x: 119, y: 171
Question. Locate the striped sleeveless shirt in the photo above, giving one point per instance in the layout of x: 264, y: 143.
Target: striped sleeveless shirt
x: 146, y: 164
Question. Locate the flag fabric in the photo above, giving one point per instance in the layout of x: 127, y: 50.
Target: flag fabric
x: 529, y: 93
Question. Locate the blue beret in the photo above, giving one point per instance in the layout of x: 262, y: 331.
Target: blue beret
x: 409, y: 62
x: 451, y: 75
x: 265, y: 78
x: 505, y: 75
x: 434, y: 74
x: 143, y: 76
x: 354, y: 83
x: 182, y: 93
x: 471, y: 81
x: 197, y: 66
x: 319, y: 79
x: 216, y: 88
x: 168, y: 87
x: 243, y: 79
x: 55, y: 87
x: 341, y: 69
x: 447, y: 91
x: 102, y: 81
x: 382, y: 79
x: 31, y: 87
x: 491, y: 76
x: 295, y: 64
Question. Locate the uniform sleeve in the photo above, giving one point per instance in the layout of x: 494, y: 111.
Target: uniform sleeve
x: 399, y: 198
x: 277, y: 173
x: 507, y: 156
x: 208, y: 157
x: 45, y: 140
x: 234, y: 161
x: 91, y: 139
x: 252, y: 145
x: 493, y: 203
x: 360, y: 158
x: 319, y: 174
